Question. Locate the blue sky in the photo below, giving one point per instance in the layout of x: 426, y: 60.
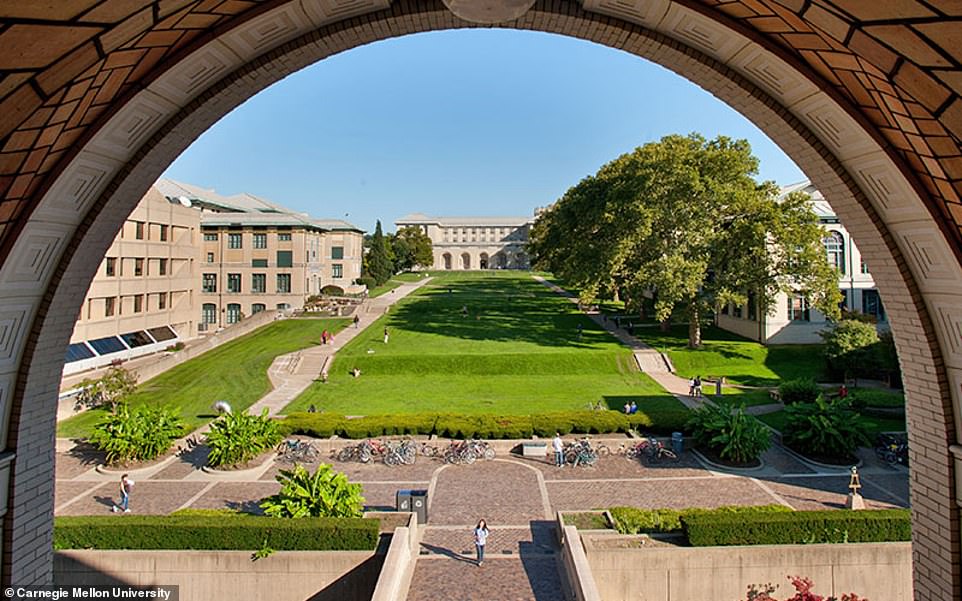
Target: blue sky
x: 471, y: 122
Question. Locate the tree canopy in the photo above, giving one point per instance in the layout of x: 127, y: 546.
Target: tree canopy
x: 379, y: 260
x: 412, y: 248
x: 684, y: 221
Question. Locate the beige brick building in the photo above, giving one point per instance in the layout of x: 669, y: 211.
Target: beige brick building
x: 142, y: 298
x: 792, y: 320
x: 464, y: 243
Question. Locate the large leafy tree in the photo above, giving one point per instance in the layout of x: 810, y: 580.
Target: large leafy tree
x: 683, y: 220
x: 412, y: 248
x: 378, y: 262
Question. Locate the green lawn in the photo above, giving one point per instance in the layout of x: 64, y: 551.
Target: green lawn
x: 749, y: 398
x: 235, y: 372
x: 779, y: 419
x: 740, y: 360
x: 516, y: 351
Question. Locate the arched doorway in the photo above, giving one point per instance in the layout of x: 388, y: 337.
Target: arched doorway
x: 84, y: 133
x: 465, y: 261
x: 446, y: 259
x: 500, y: 261
x: 483, y: 261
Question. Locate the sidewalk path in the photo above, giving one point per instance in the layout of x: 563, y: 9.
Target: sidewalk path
x: 292, y: 373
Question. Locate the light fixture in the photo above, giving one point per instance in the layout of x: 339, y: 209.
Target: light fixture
x: 487, y: 12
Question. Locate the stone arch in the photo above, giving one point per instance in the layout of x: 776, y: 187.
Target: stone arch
x: 464, y: 261
x: 446, y: 261
x: 877, y: 131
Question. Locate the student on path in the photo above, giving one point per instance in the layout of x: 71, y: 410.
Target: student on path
x: 385, y: 335
x: 126, y: 485
x: 357, y: 320
x: 697, y: 385
x: 691, y: 388
x: 324, y: 336
x: 558, y: 447
x: 480, y: 538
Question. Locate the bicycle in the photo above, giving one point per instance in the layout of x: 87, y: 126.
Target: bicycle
x: 580, y: 453
x: 297, y: 451
x: 892, y: 449
x: 655, y: 450
x: 460, y: 452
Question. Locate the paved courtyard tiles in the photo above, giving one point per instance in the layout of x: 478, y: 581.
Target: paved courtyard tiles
x: 66, y: 491
x: 500, y: 491
x: 382, y: 495
x: 619, y: 468
x: 148, y: 497
x: 235, y: 495
x: 537, y: 537
x: 532, y: 577
x: 828, y: 492
x: 657, y: 492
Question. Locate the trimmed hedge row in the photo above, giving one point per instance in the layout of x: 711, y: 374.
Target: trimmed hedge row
x: 797, y: 527
x: 324, y: 425
x: 212, y: 532
x: 632, y: 520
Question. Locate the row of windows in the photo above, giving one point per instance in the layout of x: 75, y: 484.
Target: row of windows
x: 149, y: 231
x: 835, y: 249
x: 141, y: 302
x: 259, y: 241
x: 258, y: 282
x: 483, y: 234
x: 799, y: 310
x: 138, y: 266
x: 233, y: 313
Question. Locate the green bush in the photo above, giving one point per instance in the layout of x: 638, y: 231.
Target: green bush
x: 828, y: 526
x: 803, y: 390
x: 825, y: 428
x: 236, y: 438
x: 140, y: 434
x: 729, y: 432
x: 222, y: 532
x: 632, y: 520
x: 318, y: 425
x: 325, y: 493
x: 366, y: 280
x: 862, y: 397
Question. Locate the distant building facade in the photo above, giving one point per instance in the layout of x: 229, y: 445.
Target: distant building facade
x: 142, y: 298
x: 793, y: 321
x: 468, y: 243
x: 257, y: 255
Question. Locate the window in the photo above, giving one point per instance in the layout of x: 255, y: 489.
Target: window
x: 209, y: 313
x: 110, y: 344
x: 258, y: 262
x: 257, y: 308
x: 233, y: 313
x: 283, y: 307
x: 135, y: 339
x: 737, y: 310
x: 111, y: 266
x: 864, y: 267
x: 234, y: 241
x: 233, y: 282
x: 110, y: 305
x: 724, y: 309
x: 161, y: 300
x: 283, y: 237
x: 78, y: 351
x: 139, y: 230
x: 162, y: 267
x: 163, y: 233
x: 283, y: 282
x: 210, y: 282
x: 835, y: 249
x: 798, y: 308
x: 162, y: 333
x: 260, y: 240
x: 337, y: 271
x: 210, y: 237
x: 210, y: 257
x: 138, y: 267
x: 138, y: 303
x: 285, y: 258
x: 752, y: 307
x: 337, y: 252
x: 259, y: 282
x: 872, y: 304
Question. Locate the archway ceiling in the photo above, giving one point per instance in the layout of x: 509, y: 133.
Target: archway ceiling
x: 65, y: 64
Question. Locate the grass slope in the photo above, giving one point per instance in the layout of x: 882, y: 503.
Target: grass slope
x: 516, y: 351
x: 235, y: 371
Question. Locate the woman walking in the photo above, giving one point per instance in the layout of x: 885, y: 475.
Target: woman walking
x: 125, y: 486
x: 480, y: 538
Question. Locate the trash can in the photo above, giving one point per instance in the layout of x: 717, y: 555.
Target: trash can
x: 677, y: 442
x: 403, y: 500
x: 419, y: 505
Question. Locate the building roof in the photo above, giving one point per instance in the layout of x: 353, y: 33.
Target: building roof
x: 819, y: 205
x: 245, y: 209
x: 421, y: 218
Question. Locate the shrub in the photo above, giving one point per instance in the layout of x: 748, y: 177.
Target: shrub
x: 850, y: 347
x: 366, y: 280
x: 139, y: 434
x: 332, y: 290
x: 803, y: 592
x: 825, y: 428
x: 775, y: 528
x: 214, y: 532
x: 729, y: 432
x: 632, y: 520
x: 318, y: 425
x: 799, y: 391
x: 325, y: 493
x: 111, y: 389
x: 236, y: 438
x: 862, y: 397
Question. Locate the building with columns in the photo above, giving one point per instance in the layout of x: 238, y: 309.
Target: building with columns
x: 466, y: 243
x: 792, y: 321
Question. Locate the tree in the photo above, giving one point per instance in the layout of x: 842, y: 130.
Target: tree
x: 378, y: 262
x: 683, y: 221
x: 851, y: 347
x: 111, y: 389
x: 412, y: 248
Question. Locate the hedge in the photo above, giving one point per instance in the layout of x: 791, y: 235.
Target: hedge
x: 324, y: 425
x: 213, y: 532
x: 797, y: 527
x: 632, y: 520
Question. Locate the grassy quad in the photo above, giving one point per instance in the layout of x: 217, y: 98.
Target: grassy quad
x: 516, y: 351
x: 235, y: 371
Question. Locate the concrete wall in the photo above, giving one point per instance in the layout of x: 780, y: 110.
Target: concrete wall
x: 211, y: 575
x: 877, y: 571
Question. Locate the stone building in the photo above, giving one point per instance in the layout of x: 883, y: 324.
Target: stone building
x: 792, y: 321
x: 142, y: 298
x: 466, y: 243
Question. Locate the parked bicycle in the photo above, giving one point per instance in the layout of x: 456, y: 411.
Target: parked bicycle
x: 892, y: 449
x: 297, y: 451
x: 402, y: 452
x: 365, y: 451
x: 580, y: 453
x: 459, y: 451
x: 654, y: 450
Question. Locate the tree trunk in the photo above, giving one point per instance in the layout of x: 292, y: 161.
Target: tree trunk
x: 665, y: 325
x: 694, y: 329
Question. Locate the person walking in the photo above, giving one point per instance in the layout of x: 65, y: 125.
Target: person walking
x: 357, y: 320
x: 385, y: 335
x: 558, y: 447
x: 324, y: 336
x: 126, y: 485
x: 691, y: 388
x: 480, y: 538
x: 697, y: 386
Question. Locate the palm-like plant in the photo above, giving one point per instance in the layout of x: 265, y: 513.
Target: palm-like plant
x: 139, y: 434
x: 829, y: 428
x: 729, y: 432
x: 236, y: 438
x: 325, y: 493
